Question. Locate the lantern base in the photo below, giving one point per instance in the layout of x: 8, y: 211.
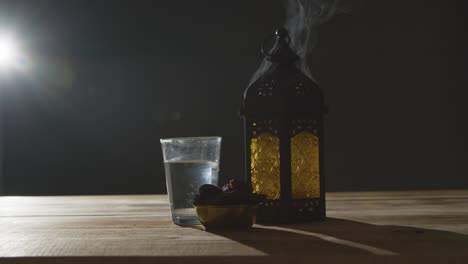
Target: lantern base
x: 297, y: 211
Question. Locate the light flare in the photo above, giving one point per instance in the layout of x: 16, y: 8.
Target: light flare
x: 9, y: 51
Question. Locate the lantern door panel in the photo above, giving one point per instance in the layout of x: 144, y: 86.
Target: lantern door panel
x: 265, y: 158
x: 265, y: 165
x: 305, y: 168
x: 305, y: 174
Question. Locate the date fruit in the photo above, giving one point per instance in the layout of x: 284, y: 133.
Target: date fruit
x: 232, y: 193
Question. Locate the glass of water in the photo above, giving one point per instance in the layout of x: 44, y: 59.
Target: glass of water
x: 189, y: 163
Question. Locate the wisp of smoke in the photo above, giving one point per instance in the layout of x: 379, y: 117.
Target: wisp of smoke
x: 302, y: 18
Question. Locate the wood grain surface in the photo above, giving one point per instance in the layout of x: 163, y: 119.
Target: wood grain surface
x: 423, y: 226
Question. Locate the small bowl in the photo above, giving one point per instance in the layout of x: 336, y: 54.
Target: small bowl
x: 226, y: 216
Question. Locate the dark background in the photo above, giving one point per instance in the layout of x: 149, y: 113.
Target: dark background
x: 108, y: 79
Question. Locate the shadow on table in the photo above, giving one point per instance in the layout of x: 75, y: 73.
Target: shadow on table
x: 334, y: 236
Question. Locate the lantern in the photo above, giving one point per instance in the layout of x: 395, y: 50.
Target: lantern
x: 283, y: 114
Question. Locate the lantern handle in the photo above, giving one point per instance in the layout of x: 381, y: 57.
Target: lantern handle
x: 280, y: 34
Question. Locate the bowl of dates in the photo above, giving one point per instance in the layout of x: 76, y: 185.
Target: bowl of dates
x: 232, y: 206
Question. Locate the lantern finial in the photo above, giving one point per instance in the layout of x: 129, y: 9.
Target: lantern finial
x: 280, y: 51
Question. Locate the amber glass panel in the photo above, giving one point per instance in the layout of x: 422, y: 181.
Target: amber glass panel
x: 305, y: 176
x: 265, y: 165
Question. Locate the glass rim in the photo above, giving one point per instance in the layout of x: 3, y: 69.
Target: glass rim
x: 190, y: 138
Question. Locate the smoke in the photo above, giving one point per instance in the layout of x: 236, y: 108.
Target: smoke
x: 302, y: 19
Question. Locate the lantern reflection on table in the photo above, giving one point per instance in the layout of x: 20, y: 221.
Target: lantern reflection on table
x: 283, y: 114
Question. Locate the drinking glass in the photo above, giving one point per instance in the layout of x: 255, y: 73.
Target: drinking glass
x: 189, y: 163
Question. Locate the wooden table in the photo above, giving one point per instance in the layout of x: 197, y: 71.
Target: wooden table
x: 431, y: 226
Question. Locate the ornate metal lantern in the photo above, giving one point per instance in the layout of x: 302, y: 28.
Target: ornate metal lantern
x: 283, y: 113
